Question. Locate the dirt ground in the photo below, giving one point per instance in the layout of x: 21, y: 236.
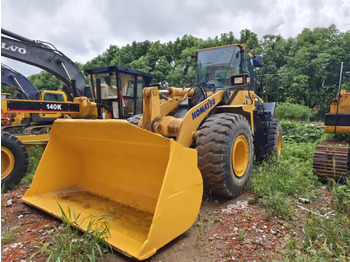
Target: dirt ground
x: 225, y: 230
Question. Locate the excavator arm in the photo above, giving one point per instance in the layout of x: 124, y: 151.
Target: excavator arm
x: 47, y: 57
x: 18, y: 82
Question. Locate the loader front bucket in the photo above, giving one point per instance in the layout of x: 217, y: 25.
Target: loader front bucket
x: 148, y: 186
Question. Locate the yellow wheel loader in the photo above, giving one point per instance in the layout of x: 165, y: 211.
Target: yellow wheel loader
x: 331, y: 157
x: 147, y: 180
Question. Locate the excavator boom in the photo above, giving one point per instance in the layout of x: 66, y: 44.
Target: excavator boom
x: 44, y: 56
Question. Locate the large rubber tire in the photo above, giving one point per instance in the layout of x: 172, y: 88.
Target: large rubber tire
x: 225, y: 154
x: 274, y: 141
x: 14, y: 161
x: 135, y: 119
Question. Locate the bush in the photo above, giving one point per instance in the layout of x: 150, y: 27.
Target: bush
x: 301, y: 132
x: 288, y: 111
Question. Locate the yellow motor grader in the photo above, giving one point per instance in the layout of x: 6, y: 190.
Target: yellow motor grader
x: 148, y: 179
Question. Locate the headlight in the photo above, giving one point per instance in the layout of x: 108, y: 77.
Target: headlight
x: 238, y: 80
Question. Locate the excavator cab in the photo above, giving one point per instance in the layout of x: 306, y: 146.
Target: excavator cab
x: 120, y: 89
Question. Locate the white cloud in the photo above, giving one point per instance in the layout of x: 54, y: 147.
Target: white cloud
x: 82, y: 29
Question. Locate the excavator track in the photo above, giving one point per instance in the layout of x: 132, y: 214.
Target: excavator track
x: 331, y: 159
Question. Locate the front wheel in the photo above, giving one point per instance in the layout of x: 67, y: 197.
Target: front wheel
x: 225, y: 154
x: 14, y: 161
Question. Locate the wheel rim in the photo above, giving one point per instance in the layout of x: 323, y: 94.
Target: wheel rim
x: 240, y: 156
x: 279, y: 143
x: 7, y: 162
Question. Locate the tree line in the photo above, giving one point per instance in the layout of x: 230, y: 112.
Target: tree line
x: 302, y: 70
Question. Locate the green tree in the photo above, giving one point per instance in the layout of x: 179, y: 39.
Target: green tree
x: 141, y: 64
x: 162, y: 69
x: 316, y: 54
x: 301, y: 66
x: 249, y: 39
x: 45, y: 81
x: 9, y: 90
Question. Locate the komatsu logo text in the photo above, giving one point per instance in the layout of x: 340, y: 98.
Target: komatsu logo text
x: 13, y: 48
x: 203, y: 108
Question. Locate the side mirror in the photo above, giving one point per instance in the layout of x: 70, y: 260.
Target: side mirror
x: 258, y: 61
x: 185, y: 69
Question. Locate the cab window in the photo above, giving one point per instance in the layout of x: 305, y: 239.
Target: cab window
x: 108, y: 85
x: 53, y: 97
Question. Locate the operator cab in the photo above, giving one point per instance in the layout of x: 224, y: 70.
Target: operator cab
x: 121, y: 89
x: 218, y: 67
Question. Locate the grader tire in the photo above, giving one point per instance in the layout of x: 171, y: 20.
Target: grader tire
x: 14, y: 161
x: 225, y: 154
x: 134, y: 120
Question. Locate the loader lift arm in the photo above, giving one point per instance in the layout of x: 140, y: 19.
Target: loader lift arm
x: 45, y: 56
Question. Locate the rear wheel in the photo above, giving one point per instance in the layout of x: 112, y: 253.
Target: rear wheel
x: 225, y: 154
x: 274, y: 138
x: 14, y: 160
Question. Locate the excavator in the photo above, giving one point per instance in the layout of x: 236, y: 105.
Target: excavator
x: 44, y: 55
x: 331, y: 157
x: 146, y: 176
x: 119, y: 98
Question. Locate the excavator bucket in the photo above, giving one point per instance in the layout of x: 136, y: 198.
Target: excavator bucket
x: 148, y: 187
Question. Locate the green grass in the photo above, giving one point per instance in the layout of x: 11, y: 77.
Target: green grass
x: 277, y: 185
x: 7, y: 235
x: 35, y: 154
x: 71, y: 244
x: 341, y: 197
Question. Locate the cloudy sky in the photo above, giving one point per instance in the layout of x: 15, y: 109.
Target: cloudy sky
x: 82, y: 29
